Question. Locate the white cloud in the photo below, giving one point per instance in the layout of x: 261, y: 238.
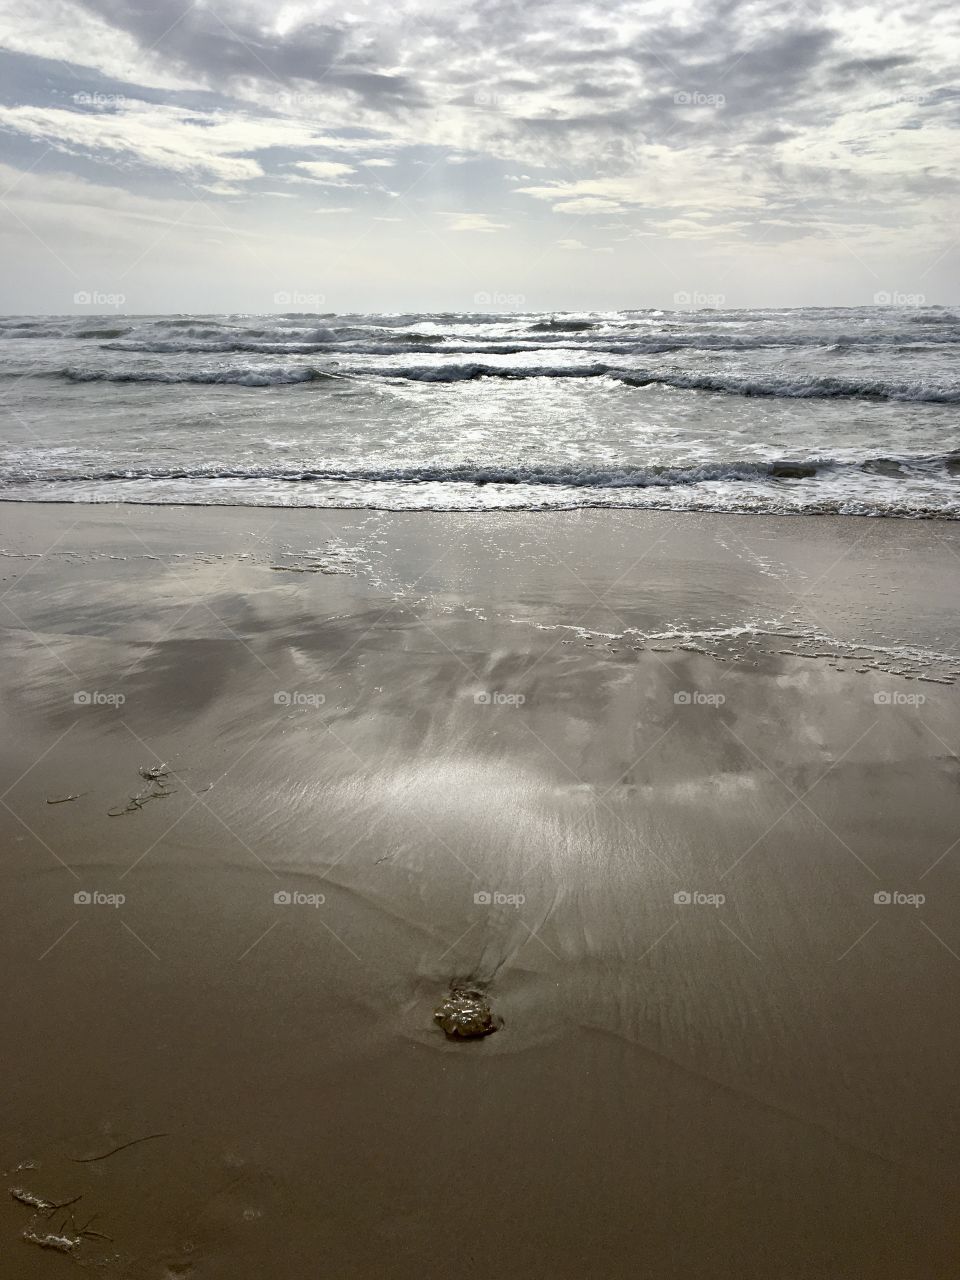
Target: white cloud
x: 325, y: 170
x: 69, y: 33
x: 471, y: 222
x: 194, y: 144
x: 577, y: 246
x: 589, y: 204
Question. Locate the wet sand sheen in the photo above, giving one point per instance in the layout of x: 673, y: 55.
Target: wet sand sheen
x: 718, y: 1054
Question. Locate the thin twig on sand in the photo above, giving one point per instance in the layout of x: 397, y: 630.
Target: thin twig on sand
x: 123, y: 1146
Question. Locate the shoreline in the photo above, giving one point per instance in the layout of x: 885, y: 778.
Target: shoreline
x: 749, y: 1088
x: 487, y: 512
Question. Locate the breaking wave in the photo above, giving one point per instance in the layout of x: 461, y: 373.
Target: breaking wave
x: 563, y: 326
x: 275, y: 377
x: 799, y: 387
x: 566, y: 474
x: 793, y: 387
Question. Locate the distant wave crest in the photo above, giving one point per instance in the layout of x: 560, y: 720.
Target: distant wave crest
x: 273, y: 377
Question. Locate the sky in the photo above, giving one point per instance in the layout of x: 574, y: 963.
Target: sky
x: 488, y: 155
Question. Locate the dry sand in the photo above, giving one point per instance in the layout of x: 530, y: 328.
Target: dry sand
x: 760, y: 1087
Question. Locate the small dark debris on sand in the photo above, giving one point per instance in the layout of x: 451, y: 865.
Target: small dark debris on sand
x: 465, y: 1014
x: 41, y: 1205
x: 157, y: 789
x: 62, y: 1240
x: 33, y: 1201
x: 52, y: 1240
x: 154, y: 772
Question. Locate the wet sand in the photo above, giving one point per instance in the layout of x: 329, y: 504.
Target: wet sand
x: 650, y: 741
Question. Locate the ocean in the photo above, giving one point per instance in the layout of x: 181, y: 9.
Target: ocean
x: 840, y: 410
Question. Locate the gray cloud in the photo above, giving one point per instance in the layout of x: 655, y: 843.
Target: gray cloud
x: 735, y: 122
x: 231, y: 48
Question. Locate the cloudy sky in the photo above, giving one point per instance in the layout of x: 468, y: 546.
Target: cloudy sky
x: 489, y: 154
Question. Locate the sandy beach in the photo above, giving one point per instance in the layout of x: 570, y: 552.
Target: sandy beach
x: 638, y: 776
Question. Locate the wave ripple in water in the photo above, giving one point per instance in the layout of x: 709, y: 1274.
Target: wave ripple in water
x: 851, y: 411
